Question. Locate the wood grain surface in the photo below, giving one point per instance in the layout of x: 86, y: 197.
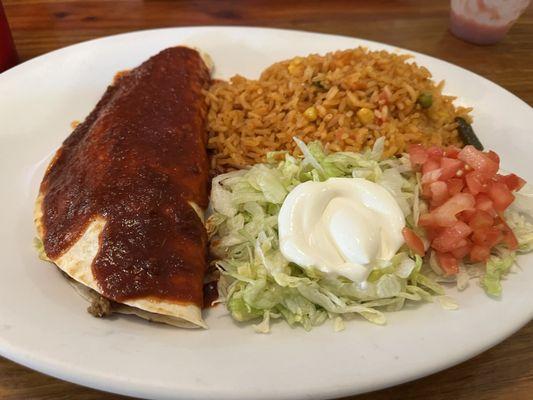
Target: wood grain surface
x: 39, y: 26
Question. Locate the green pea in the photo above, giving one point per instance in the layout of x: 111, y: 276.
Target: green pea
x: 425, y: 100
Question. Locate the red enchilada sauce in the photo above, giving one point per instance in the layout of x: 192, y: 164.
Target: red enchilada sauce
x: 137, y: 161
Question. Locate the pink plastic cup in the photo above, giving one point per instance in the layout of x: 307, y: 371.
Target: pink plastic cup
x: 484, y: 21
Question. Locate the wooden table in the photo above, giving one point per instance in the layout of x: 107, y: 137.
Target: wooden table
x: 505, y: 371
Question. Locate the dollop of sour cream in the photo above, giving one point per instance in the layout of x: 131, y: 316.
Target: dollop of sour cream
x: 340, y: 226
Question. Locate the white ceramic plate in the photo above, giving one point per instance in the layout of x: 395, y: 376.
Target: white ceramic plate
x: 43, y: 323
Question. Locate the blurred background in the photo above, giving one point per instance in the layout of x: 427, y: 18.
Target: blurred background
x: 40, y: 26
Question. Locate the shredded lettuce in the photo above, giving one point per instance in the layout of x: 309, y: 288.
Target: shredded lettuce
x: 522, y: 228
x: 448, y: 303
x: 500, y: 263
x: 260, y: 284
x: 39, y: 247
x: 497, y: 267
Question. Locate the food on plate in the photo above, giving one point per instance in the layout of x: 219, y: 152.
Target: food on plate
x: 333, y: 235
x: 467, y: 134
x: 340, y: 226
x: 351, y: 193
x: 467, y: 199
x: 344, y: 185
x: 345, y: 99
x: 120, y: 208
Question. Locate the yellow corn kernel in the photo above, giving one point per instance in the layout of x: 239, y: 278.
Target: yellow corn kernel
x: 311, y: 114
x: 293, y: 67
x: 365, y: 116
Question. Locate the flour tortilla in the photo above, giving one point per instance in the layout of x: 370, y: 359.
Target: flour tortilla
x: 77, y: 263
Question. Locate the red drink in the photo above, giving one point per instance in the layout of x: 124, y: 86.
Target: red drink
x: 8, y: 55
x: 484, y: 21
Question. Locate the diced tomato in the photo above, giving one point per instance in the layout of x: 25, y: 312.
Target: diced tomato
x: 455, y: 185
x: 445, y: 215
x: 431, y: 176
x: 434, y: 204
x: 433, y: 233
x: 462, y: 251
x: 484, y: 203
x: 480, y: 220
x: 493, y: 156
x: 510, y: 240
x: 488, y: 237
x: 501, y: 196
x: 509, y: 237
x: 466, y: 198
x: 478, y: 160
x: 452, y: 151
x: 479, y: 253
x: 452, y: 237
x: 439, y: 193
x: 413, y: 241
x: 512, y: 181
x: 417, y: 154
x: 435, y: 152
x: 463, y: 242
x: 476, y: 182
x: 426, y: 191
x: 449, y: 167
x: 448, y: 263
x: 430, y: 165
x: 466, y: 215
x: 495, y: 237
x: 461, y: 229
